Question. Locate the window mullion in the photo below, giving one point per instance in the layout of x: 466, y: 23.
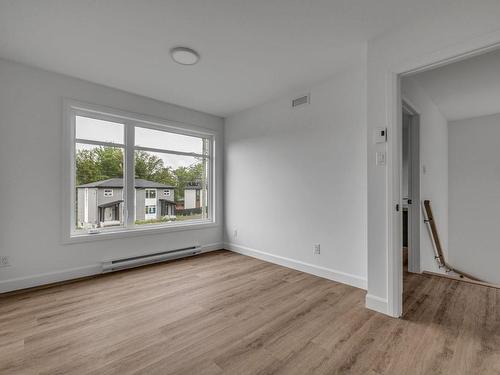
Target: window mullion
x: 172, y: 152
x: 98, y: 143
x: 129, y: 174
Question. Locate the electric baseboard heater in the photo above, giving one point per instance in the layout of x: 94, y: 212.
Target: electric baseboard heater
x: 141, y: 260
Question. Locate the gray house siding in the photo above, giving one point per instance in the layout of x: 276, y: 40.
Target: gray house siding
x: 162, y: 195
x: 102, y: 199
x: 91, y: 204
x: 96, y: 198
x: 117, y: 195
x: 140, y: 196
x: 104, y: 204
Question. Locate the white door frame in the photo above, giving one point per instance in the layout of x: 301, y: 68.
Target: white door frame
x: 393, y: 76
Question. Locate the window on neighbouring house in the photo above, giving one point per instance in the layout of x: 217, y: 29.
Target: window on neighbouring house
x: 126, y: 160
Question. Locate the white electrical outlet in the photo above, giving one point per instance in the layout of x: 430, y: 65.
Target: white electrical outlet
x: 317, y: 249
x: 4, y: 261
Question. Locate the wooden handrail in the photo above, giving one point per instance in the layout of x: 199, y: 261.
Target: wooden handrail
x: 431, y: 225
x: 429, y: 220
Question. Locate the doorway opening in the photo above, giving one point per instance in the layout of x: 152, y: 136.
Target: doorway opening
x: 430, y: 169
x: 410, y: 189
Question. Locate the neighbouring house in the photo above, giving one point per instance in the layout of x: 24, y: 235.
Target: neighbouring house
x: 100, y: 203
x: 192, y: 196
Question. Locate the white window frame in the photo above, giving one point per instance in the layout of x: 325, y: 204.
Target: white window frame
x: 166, y: 193
x: 74, y: 108
x: 108, y: 193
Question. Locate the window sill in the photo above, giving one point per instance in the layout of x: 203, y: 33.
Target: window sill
x: 110, y: 234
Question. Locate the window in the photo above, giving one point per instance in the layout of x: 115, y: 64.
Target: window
x: 130, y: 173
x: 98, y: 164
x: 150, y: 193
x: 174, y: 162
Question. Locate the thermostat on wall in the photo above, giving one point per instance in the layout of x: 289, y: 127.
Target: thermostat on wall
x: 380, y: 135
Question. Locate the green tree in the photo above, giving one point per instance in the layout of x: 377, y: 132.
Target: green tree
x: 86, y: 168
x: 97, y: 164
x: 166, y: 176
x: 151, y: 167
x: 110, y: 162
x: 147, y: 166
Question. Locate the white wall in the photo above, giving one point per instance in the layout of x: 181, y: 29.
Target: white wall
x: 30, y: 177
x: 295, y: 177
x: 474, y: 187
x: 464, y: 27
x: 405, y: 167
x: 433, y: 168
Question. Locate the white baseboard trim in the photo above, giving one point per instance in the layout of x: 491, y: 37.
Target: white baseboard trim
x: 69, y: 274
x: 212, y: 247
x: 48, y: 278
x: 377, y: 304
x: 327, y: 273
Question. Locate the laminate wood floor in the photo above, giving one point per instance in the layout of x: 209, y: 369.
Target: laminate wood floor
x: 224, y: 313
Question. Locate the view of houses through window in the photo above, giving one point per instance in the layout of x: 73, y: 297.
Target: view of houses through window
x: 170, y: 182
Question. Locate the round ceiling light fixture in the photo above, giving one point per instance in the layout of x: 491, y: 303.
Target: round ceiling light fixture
x: 184, y: 55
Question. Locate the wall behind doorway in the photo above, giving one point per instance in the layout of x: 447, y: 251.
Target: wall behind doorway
x: 474, y: 191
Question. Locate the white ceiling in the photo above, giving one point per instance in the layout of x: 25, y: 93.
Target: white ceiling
x: 251, y: 50
x: 465, y: 89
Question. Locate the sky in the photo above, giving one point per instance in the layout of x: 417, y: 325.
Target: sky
x: 105, y: 131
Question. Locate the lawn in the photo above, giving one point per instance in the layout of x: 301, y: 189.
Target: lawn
x: 188, y: 217
x: 165, y: 220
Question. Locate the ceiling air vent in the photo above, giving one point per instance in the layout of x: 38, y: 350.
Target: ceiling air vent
x: 302, y: 100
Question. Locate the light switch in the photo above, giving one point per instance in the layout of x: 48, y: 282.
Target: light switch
x: 380, y: 135
x: 381, y: 158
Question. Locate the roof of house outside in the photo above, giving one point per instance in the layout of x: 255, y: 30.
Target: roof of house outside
x: 193, y: 186
x: 118, y: 183
x: 109, y: 204
x: 169, y: 201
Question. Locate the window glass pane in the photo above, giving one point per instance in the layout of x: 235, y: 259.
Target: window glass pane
x: 170, y: 188
x: 99, y: 187
x: 99, y: 130
x: 168, y: 141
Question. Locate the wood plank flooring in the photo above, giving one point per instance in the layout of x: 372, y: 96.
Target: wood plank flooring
x: 224, y: 313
